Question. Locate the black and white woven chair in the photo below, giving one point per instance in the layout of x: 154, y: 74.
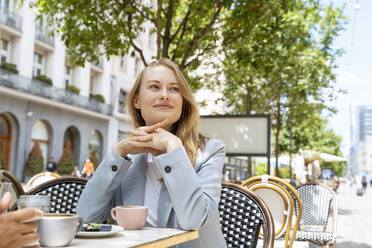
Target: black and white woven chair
x: 242, y: 214
x: 318, y: 200
x: 64, y: 193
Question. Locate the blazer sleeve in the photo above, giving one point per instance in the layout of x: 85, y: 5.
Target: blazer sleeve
x: 195, y: 195
x: 95, y: 202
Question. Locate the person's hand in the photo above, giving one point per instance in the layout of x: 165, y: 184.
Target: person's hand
x: 130, y: 145
x: 162, y: 141
x: 17, y: 228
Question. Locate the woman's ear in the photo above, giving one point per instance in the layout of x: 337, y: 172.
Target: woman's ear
x: 136, y: 102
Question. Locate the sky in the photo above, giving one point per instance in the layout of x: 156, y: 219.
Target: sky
x: 354, y: 73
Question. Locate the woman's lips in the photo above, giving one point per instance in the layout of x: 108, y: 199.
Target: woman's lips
x: 163, y: 106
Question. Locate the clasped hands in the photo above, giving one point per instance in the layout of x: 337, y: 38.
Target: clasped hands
x: 153, y: 139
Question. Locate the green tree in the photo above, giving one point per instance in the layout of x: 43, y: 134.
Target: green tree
x: 279, y: 64
x: 35, y: 161
x: 94, y: 158
x: 66, y: 164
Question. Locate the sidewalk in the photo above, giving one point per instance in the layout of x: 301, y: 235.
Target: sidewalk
x: 354, y: 218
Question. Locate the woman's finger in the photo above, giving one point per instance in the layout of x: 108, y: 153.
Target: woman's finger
x: 5, y: 202
x: 152, y: 128
x: 29, y: 238
x: 142, y: 138
x: 137, y: 132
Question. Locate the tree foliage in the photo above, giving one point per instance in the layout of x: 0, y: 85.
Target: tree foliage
x: 94, y: 158
x: 66, y: 163
x: 283, y: 64
x: 35, y: 161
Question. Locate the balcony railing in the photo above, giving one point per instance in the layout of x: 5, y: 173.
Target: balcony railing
x: 34, y: 87
x: 42, y: 35
x: 11, y: 19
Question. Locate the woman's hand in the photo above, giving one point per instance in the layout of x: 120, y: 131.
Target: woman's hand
x: 141, y: 135
x: 17, y: 228
x: 162, y: 141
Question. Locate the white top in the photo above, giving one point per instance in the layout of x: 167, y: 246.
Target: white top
x: 152, y: 190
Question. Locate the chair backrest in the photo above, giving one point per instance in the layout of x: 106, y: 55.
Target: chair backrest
x: 289, y: 194
x: 64, y: 193
x: 16, y: 190
x: 40, y: 178
x: 317, y: 200
x: 242, y: 214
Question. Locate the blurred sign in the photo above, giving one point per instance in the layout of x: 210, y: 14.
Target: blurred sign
x: 243, y: 135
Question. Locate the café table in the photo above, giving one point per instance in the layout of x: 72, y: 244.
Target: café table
x: 146, y: 237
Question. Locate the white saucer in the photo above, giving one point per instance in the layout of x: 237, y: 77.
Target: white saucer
x: 114, y: 229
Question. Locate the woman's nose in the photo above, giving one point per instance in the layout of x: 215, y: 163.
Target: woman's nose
x: 164, y: 94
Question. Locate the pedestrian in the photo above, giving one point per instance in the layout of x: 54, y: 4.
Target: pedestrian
x: 364, y: 182
x: 88, y: 169
x: 51, y: 165
x: 165, y: 164
x: 17, y: 228
x: 76, y: 172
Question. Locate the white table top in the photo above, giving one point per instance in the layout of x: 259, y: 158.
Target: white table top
x: 145, y: 237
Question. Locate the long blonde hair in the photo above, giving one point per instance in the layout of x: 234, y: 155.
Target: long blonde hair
x: 187, y: 127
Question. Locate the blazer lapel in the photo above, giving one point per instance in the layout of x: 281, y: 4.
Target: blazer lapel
x: 133, y: 184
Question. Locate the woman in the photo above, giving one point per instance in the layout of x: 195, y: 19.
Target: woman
x: 172, y: 169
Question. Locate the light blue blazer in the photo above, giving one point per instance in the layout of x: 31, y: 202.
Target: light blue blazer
x: 188, y: 198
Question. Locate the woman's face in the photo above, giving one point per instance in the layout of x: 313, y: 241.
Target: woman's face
x: 159, y: 96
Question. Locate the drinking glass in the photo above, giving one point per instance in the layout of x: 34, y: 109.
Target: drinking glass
x: 41, y: 202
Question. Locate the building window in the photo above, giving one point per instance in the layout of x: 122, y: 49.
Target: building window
x: 40, y: 134
x: 123, y: 63
x: 68, y: 75
x: 137, y: 66
x: 122, y: 100
x: 38, y: 64
x: 92, y: 83
x: 5, y: 48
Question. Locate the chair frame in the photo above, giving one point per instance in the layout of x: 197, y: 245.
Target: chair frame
x: 268, y: 227
x: 56, y: 182
x: 334, y: 209
x: 287, y: 187
x: 288, y: 207
x: 35, y: 177
x: 12, y: 179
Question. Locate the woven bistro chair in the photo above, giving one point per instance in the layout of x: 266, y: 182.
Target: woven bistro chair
x: 242, y: 214
x: 64, y: 193
x: 282, y: 199
x: 16, y: 190
x: 318, y: 201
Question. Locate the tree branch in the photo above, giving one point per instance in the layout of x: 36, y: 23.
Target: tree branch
x: 194, y: 41
x: 182, y: 25
x: 141, y: 12
x: 158, y: 29
x: 139, y: 50
x: 168, y: 25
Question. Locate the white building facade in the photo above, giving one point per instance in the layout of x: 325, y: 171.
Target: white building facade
x: 53, y: 115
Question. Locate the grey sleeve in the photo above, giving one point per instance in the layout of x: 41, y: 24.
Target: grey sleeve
x: 96, y: 200
x: 194, y: 195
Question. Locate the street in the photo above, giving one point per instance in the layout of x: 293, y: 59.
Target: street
x: 354, y: 218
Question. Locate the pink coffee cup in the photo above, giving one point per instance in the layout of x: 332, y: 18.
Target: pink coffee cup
x: 130, y: 217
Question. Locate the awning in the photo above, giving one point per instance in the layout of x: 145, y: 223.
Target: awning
x: 325, y: 157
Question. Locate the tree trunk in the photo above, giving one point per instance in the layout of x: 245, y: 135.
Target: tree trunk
x: 248, y: 110
x: 158, y: 24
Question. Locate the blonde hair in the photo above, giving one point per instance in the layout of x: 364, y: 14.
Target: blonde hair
x: 187, y: 127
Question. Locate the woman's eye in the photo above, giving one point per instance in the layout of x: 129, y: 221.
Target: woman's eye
x: 154, y: 86
x: 175, y: 89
